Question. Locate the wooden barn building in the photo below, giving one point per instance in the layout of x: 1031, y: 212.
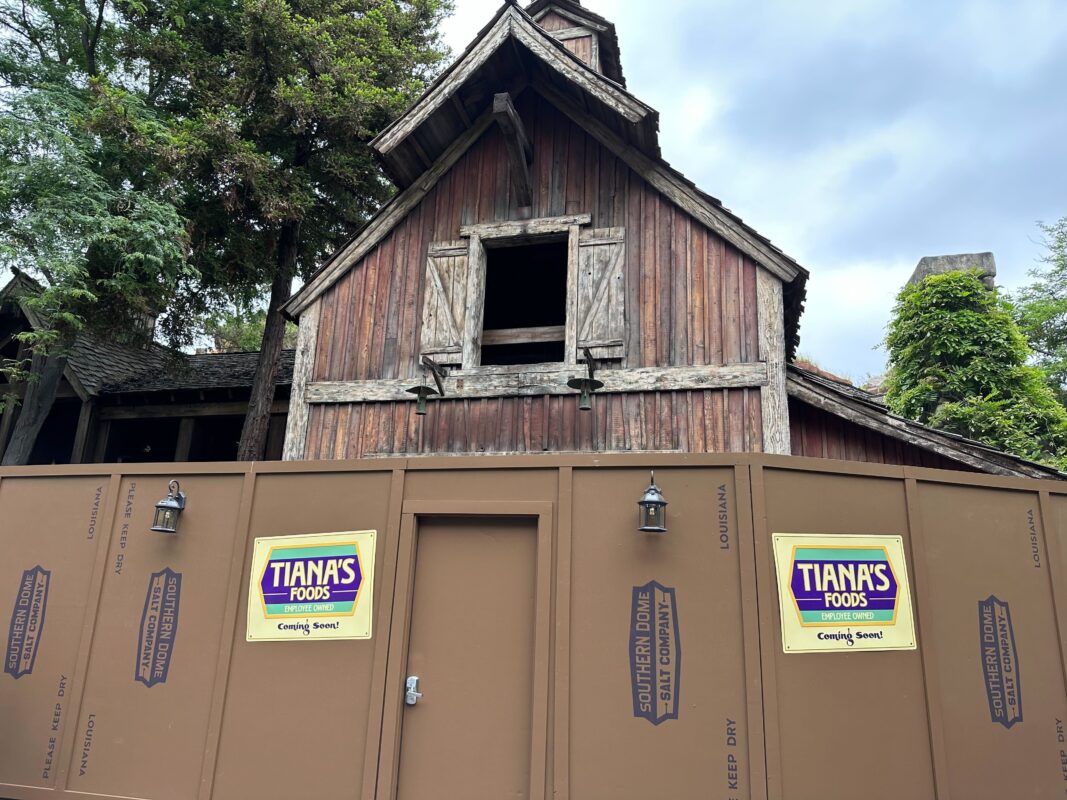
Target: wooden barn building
x: 536, y: 222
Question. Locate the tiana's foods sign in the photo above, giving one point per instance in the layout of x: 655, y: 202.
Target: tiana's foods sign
x: 843, y: 593
x: 314, y: 586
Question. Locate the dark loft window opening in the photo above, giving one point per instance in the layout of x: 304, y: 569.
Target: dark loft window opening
x: 525, y: 303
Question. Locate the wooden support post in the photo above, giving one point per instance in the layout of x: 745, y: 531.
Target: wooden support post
x: 297, y: 424
x: 83, y: 435
x: 774, y: 400
x: 103, y: 431
x: 7, y: 422
x: 11, y: 407
x: 475, y: 308
x: 520, y: 152
x: 185, y: 439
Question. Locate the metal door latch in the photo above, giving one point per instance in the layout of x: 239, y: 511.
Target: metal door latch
x: 412, y: 695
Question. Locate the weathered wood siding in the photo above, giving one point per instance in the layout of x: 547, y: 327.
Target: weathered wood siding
x: 582, y: 47
x: 817, y: 434
x: 724, y: 420
x: 555, y: 22
x: 690, y: 297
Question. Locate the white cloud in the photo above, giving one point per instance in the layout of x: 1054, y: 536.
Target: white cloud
x: 859, y: 135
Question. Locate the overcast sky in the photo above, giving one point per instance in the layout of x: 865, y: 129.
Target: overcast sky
x: 858, y: 135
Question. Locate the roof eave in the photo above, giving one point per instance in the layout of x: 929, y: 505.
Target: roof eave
x: 809, y: 388
x: 510, y: 22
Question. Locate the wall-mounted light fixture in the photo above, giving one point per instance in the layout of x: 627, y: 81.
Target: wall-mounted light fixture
x: 423, y: 391
x: 169, y: 510
x: 586, y: 385
x: 652, y: 514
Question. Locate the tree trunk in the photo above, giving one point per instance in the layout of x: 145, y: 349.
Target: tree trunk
x: 45, y: 374
x: 257, y: 420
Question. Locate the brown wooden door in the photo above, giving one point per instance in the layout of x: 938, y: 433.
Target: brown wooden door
x: 472, y: 646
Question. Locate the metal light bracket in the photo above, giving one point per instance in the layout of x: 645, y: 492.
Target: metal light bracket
x: 586, y: 385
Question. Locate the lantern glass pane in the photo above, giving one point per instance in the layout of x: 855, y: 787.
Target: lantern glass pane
x: 164, y: 519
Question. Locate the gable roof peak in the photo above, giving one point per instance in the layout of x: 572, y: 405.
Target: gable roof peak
x: 511, y: 51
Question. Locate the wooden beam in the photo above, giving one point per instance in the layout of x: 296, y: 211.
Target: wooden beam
x: 75, y: 383
x: 544, y: 379
x: 547, y: 333
x: 570, y: 334
x: 185, y: 439
x: 677, y: 190
x: 520, y: 152
x: 571, y: 16
x: 571, y: 33
x: 511, y: 123
x: 774, y: 401
x: 219, y: 409
x: 103, y: 433
x: 528, y: 227
x: 296, y: 425
x: 420, y: 151
x: 474, y: 313
x: 83, y: 434
x: 7, y: 422
x: 463, y: 115
x: 64, y: 392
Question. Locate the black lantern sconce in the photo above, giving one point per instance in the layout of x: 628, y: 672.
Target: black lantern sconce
x: 652, y: 514
x: 423, y: 391
x: 169, y: 510
x: 586, y: 385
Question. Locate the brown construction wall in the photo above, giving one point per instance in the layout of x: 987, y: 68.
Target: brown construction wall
x: 509, y: 585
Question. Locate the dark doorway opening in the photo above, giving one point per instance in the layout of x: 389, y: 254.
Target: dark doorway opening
x: 525, y: 303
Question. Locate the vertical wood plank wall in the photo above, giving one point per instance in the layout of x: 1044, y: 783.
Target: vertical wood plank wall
x: 554, y: 22
x: 712, y: 421
x: 690, y: 300
x: 817, y: 434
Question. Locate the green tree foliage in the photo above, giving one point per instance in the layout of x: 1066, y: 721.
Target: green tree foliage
x: 88, y: 191
x: 958, y: 362
x: 283, y: 96
x: 240, y: 330
x: 1041, y: 309
x: 186, y: 155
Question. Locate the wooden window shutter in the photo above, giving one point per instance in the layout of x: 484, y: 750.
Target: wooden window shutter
x: 444, y: 302
x: 600, y: 299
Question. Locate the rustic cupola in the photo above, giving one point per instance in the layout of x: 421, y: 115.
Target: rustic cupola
x: 589, y: 36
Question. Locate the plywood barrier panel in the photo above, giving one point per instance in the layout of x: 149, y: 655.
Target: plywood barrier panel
x: 994, y: 639
x: 847, y: 724
x: 482, y: 484
x: 657, y: 672
x: 296, y: 719
x: 50, y: 531
x: 144, y: 715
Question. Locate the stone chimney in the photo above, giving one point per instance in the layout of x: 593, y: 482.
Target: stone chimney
x: 939, y: 265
